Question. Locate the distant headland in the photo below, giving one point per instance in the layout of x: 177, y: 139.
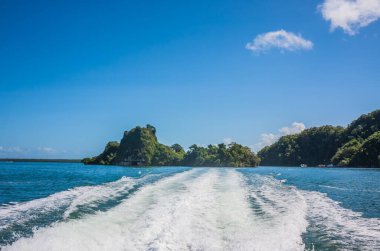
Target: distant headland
x: 357, y: 145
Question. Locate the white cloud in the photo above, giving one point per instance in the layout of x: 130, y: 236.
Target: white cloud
x: 267, y: 139
x: 11, y: 149
x: 46, y: 149
x: 350, y: 15
x: 295, y: 128
x: 228, y: 141
x: 280, y: 39
x: 23, y: 152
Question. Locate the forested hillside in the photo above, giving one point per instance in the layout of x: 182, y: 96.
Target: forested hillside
x: 357, y: 145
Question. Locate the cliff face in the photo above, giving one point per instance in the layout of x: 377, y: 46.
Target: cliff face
x: 137, y: 147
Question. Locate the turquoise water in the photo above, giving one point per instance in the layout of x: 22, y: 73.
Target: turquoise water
x: 61, y: 206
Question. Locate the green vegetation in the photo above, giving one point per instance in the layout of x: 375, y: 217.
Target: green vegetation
x: 364, y: 126
x: 233, y: 155
x: 106, y: 157
x: 368, y: 154
x: 313, y: 146
x: 357, y: 145
x: 345, y: 153
x: 139, y: 146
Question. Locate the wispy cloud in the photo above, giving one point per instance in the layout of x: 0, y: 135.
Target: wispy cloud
x: 23, y: 152
x: 12, y: 149
x: 267, y: 139
x: 228, y: 141
x: 350, y: 15
x: 46, y: 149
x: 281, y: 39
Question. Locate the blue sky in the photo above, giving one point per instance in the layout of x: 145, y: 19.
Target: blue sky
x: 76, y: 75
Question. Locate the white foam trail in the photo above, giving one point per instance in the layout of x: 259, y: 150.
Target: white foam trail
x: 334, y: 227
x: 69, y: 201
x: 108, y: 230
x: 209, y: 209
x: 345, y: 229
x: 280, y: 211
x: 189, y: 211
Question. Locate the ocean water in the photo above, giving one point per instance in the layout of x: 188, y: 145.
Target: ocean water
x: 61, y: 206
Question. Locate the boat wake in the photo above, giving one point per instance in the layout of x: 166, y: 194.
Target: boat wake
x: 200, y: 209
x: 22, y: 219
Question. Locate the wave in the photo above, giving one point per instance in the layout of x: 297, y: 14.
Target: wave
x: 348, y: 189
x: 280, y: 211
x: 204, y: 209
x: 207, y: 209
x: 321, y: 221
x: 338, y: 227
x: 21, y: 219
x: 104, y: 230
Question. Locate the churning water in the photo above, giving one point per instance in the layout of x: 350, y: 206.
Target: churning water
x: 47, y: 206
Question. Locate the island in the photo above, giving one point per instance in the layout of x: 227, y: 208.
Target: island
x: 357, y: 145
x: 140, y: 147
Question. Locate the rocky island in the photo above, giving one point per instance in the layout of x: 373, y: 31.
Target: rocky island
x: 140, y: 147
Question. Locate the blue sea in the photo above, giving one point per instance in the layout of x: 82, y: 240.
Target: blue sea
x: 69, y: 206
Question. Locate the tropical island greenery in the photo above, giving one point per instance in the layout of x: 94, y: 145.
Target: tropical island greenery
x: 140, y: 147
x: 357, y: 145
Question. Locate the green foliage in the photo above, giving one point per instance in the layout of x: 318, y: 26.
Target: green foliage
x: 233, y: 155
x: 356, y: 145
x: 166, y: 156
x: 106, y: 157
x: 241, y: 156
x: 313, y: 146
x: 364, y: 126
x: 283, y: 152
x: 178, y: 148
x: 140, y: 146
x: 369, y: 153
x: 345, y: 153
x: 89, y: 161
x: 152, y: 128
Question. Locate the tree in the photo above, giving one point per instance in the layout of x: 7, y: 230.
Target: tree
x: 106, y: 157
x: 369, y: 153
x: 364, y: 126
x: 356, y: 145
x: 152, y: 128
x: 345, y: 153
x: 313, y: 146
x: 177, y: 148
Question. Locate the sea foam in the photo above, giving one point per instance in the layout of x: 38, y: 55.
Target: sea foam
x: 206, y: 209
